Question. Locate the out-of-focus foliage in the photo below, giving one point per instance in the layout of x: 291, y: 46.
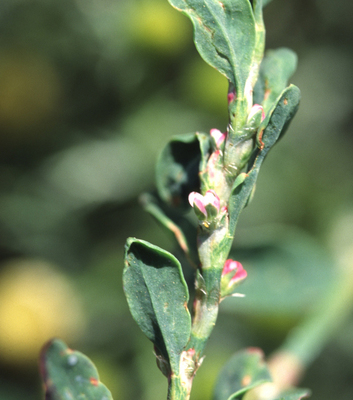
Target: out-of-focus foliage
x: 67, y: 373
x: 90, y: 92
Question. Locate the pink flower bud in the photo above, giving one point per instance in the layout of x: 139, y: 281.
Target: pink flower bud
x: 231, y: 94
x: 256, y: 109
x: 212, y: 199
x: 197, y: 200
x: 231, y: 97
x: 232, y: 275
x: 231, y: 265
x: 218, y: 137
x: 206, y: 206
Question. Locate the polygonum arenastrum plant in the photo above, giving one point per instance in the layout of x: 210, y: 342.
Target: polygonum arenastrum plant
x: 215, y: 175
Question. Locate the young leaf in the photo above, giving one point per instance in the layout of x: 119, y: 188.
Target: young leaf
x: 69, y: 374
x: 177, y: 170
x: 224, y: 35
x: 280, y: 117
x: 276, y: 68
x: 244, y: 371
x: 157, y: 296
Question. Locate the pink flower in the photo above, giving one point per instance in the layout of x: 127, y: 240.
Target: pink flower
x: 256, y: 109
x: 231, y: 96
x: 205, y: 206
x: 231, y: 265
x: 232, y: 275
x: 218, y: 137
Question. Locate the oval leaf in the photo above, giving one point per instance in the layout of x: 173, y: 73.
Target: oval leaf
x: 244, y: 371
x: 157, y: 296
x: 224, y: 35
x: 69, y: 374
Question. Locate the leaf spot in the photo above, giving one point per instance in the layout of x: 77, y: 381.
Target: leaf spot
x: 285, y: 102
x: 246, y: 380
x: 93, y: 381
x: 267, y: 94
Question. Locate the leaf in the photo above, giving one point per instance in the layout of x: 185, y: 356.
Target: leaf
x: 294, y: 394
x: 157, y: 296
x: 275, y: 70
x: 177, y: 170
x: 183, y: 230
x: 224, y: 35
x: 244, y: 371
x: 69, y: 375
x: 280, y: 117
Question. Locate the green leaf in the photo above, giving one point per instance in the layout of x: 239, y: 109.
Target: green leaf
x: 157, y: 296
x: 276, y: 69
x: 294, y: 394
x: 265, y: 2
x: 280, y: 117
x: 177, y: 170
x: 183, y: 230
x: 244, y: 371
x: 224, y: 35
x: 69, y: 375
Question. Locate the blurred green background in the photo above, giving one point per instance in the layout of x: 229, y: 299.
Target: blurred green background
x: 90, y: 91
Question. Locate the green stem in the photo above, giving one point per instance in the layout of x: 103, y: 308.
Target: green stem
x: 178, y: 390
x: 307, y: 340
x: 206, y: 307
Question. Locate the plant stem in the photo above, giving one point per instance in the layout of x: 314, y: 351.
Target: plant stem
x: 177, y: 390
x: 307, y: 340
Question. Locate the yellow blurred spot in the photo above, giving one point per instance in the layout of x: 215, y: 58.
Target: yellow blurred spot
x: 156, y: 26
x: 36, y: 303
